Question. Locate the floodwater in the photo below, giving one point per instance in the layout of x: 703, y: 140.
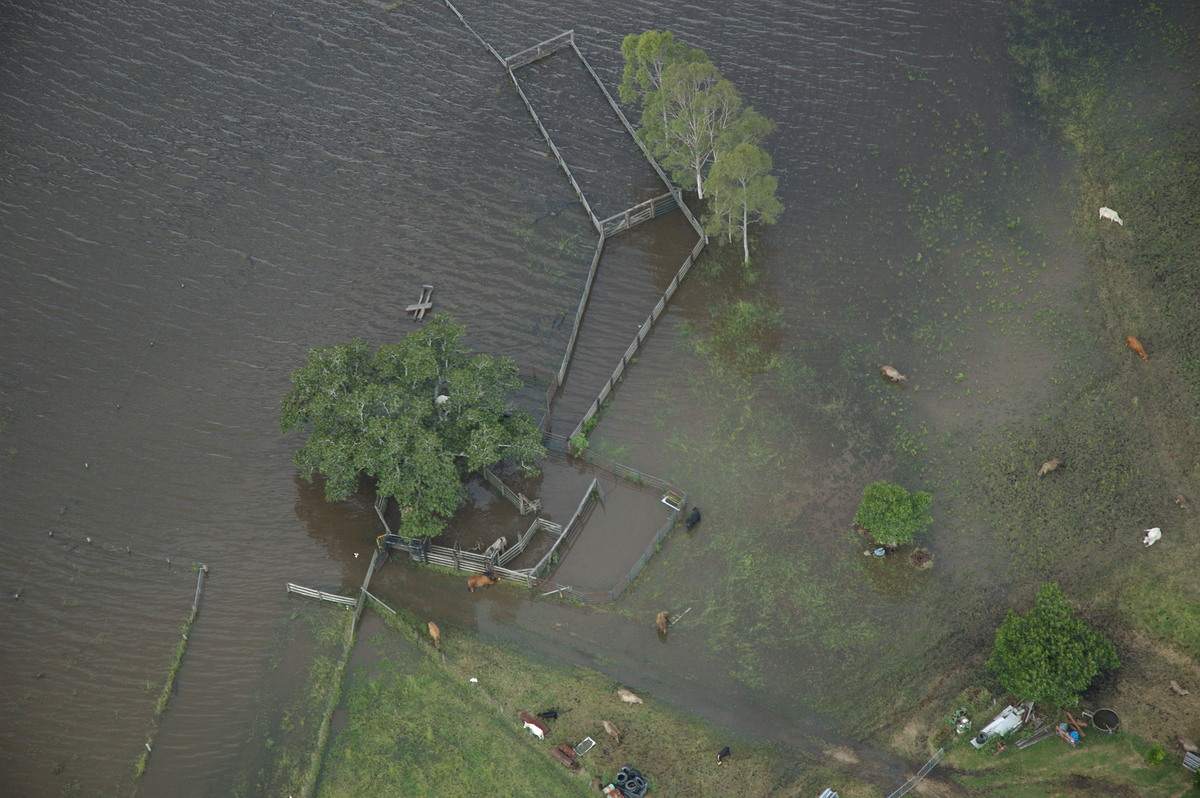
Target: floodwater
x: 193, y: 197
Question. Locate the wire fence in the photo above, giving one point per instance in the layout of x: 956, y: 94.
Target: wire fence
x: 922, y: 773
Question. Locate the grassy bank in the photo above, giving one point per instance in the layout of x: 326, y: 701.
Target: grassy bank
x: 1103, y: 765
x: 417, y: 726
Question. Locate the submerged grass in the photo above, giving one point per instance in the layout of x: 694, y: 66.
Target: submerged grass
x: 975, y: 305
x: 292, y: 726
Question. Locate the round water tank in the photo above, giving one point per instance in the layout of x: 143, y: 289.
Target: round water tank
x: 1106, y: 720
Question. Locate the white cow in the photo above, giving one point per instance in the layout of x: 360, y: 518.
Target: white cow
x: 496, y: 548
x: 1153, y: 535
x: 1109, y: 213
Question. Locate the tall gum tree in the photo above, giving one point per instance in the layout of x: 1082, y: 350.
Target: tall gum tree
x: 646, y: 55
x: 742, y: 192
x: 686, y: 119
x: 416, y: 416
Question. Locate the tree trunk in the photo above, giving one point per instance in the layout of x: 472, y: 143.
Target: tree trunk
x: 699, y: 187
x: 745, y: 237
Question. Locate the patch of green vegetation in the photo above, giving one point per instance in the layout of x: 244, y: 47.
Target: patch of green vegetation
x: 1101, y: 765
x: 743, y: 336
x: 1166, y: 605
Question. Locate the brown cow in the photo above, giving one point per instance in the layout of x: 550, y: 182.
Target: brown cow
x: 481, y: 580
x: 436, y: 634
x: 661, y: 622
x: 1136, y: 346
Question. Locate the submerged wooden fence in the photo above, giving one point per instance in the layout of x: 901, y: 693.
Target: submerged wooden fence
x: 524, y: 505
x: 620, y: 222
x: 613, y: 225
x: 321, y: 595
x: 642, y: 333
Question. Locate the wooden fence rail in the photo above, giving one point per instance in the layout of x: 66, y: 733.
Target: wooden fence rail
x: 641, y: 335
x: 524, y: 505
x: 540, y: 50
x: 320, y: 594
x: 642, y: 212
x: 633, y: 134
x: 579, y: 311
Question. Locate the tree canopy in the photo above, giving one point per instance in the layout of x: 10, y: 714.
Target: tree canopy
x: 742, y: 191
x: 891, y: 515
x: 416, y: 416
x: 646, y: 56
x: 692, y: 118
x: 1048, y: 654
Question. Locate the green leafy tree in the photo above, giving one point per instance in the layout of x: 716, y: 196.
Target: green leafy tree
x: 416, y: 416
x: 646, y: 56
x: 694, y: 114
x: 891, y: 515
x: 1048, y: 654
x: 742, y: 193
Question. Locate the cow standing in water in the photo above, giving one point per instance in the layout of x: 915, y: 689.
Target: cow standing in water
x: 661, y: 621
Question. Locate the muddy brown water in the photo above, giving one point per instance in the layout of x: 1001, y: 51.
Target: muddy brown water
x: 193, y: 198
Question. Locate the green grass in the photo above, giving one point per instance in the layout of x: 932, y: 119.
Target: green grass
x: 1101, y: 765
x: 418, y: 727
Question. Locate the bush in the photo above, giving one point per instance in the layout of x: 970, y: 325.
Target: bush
x: 891, y: 515
x: 1048, y: 654
x: 1156, y: 756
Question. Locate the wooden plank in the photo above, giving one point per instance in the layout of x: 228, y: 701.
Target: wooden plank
x: 424, y: 302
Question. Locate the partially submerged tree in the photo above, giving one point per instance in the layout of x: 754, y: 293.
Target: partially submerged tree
x: 891, y: 515
x: 691, y: 119
x: 1048, y: 654
x: 742, y: 193
x: 416, y: 416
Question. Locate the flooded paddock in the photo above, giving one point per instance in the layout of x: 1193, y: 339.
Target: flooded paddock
x: 194, y: 198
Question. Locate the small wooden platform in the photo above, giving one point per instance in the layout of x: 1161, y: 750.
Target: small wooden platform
x: 423, y: 303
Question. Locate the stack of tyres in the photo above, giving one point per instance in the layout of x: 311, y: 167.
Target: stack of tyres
x: 631, y: 783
